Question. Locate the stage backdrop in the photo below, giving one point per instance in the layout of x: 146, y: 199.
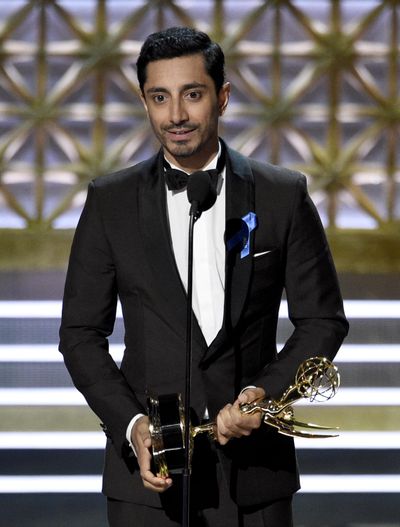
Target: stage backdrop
x: 315, y: 87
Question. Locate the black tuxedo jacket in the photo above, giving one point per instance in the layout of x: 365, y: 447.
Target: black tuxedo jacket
x: 122, y: 248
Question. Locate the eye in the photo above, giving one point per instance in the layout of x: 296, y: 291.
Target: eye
x: 193, y: 95
x: 159, y: 98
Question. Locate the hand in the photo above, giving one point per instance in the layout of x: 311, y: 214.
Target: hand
x: 231, y: 422
x: 141, y: 440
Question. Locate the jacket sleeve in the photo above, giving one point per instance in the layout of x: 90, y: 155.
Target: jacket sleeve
x: 314, y: 300
x: 88, y: 316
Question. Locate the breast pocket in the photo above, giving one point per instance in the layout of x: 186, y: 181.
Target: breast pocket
x: 260, y: 255
x: 266, y: 257
x: 266, y: 277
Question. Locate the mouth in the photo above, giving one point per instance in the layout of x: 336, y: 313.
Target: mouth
x: 180, y: 134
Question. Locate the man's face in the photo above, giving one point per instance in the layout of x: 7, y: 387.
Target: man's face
x: 184, y: 108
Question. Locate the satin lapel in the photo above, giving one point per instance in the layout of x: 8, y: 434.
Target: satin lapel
x: 158, y: 247
x: 239, y: 202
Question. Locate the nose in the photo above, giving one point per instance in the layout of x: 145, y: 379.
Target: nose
x: 178, y: 112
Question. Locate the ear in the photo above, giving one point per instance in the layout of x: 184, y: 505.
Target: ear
x: 223, y: 97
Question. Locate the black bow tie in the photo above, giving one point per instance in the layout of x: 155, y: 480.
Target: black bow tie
x: 178, y: 180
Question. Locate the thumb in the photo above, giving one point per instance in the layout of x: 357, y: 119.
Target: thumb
x: 242, y: 398
x: 251, y: 394
x: 146, y: 438
x: 247, y: 396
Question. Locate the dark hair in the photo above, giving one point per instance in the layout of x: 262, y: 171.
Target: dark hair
x: 178, y: 42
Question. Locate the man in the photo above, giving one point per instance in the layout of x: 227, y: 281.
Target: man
x: 131, y: 243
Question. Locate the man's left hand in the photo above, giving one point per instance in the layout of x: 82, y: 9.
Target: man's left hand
x: 231, y: 422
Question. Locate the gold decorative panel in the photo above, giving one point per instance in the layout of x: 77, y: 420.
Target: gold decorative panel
x: 315, y: 87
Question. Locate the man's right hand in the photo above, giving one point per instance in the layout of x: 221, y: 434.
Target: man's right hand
x: 141, y: 440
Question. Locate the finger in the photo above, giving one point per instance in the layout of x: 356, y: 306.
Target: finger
x: 142, y: 440
x: 151, y: 481
x: 222, y: 430
x: 226, y: 424
x: 244, y: 397
x: 251, y: 422
x: 155, y: 483
x: 232, y: 423
x: 251, y: 394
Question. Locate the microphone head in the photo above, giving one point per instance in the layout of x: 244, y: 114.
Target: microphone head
x: 201, y: 193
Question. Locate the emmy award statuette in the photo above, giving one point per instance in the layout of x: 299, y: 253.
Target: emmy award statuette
x: 317, y: 379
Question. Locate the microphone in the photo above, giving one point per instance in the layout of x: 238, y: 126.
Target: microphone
x: 201, y: 193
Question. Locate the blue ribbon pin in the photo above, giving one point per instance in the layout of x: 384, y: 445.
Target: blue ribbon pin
x: 250, y: 220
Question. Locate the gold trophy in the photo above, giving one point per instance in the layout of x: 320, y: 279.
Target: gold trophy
x: 317, y: 379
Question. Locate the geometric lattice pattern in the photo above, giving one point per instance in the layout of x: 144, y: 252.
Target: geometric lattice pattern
x: 315, y: 87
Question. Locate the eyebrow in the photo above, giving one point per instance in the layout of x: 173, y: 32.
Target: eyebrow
x: 189, y: 86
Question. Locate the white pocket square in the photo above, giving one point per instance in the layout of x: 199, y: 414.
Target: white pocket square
x: 256, y: 255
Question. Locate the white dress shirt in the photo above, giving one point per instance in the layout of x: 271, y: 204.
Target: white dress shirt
x: 208, y: 258
x: 208, y: 254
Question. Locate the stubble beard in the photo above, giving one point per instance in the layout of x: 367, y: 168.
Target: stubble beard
x: 186, y: 150
x: 182, y: 151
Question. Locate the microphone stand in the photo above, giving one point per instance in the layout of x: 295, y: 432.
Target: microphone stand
x: 194, y: 216
x: 202, y: 196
